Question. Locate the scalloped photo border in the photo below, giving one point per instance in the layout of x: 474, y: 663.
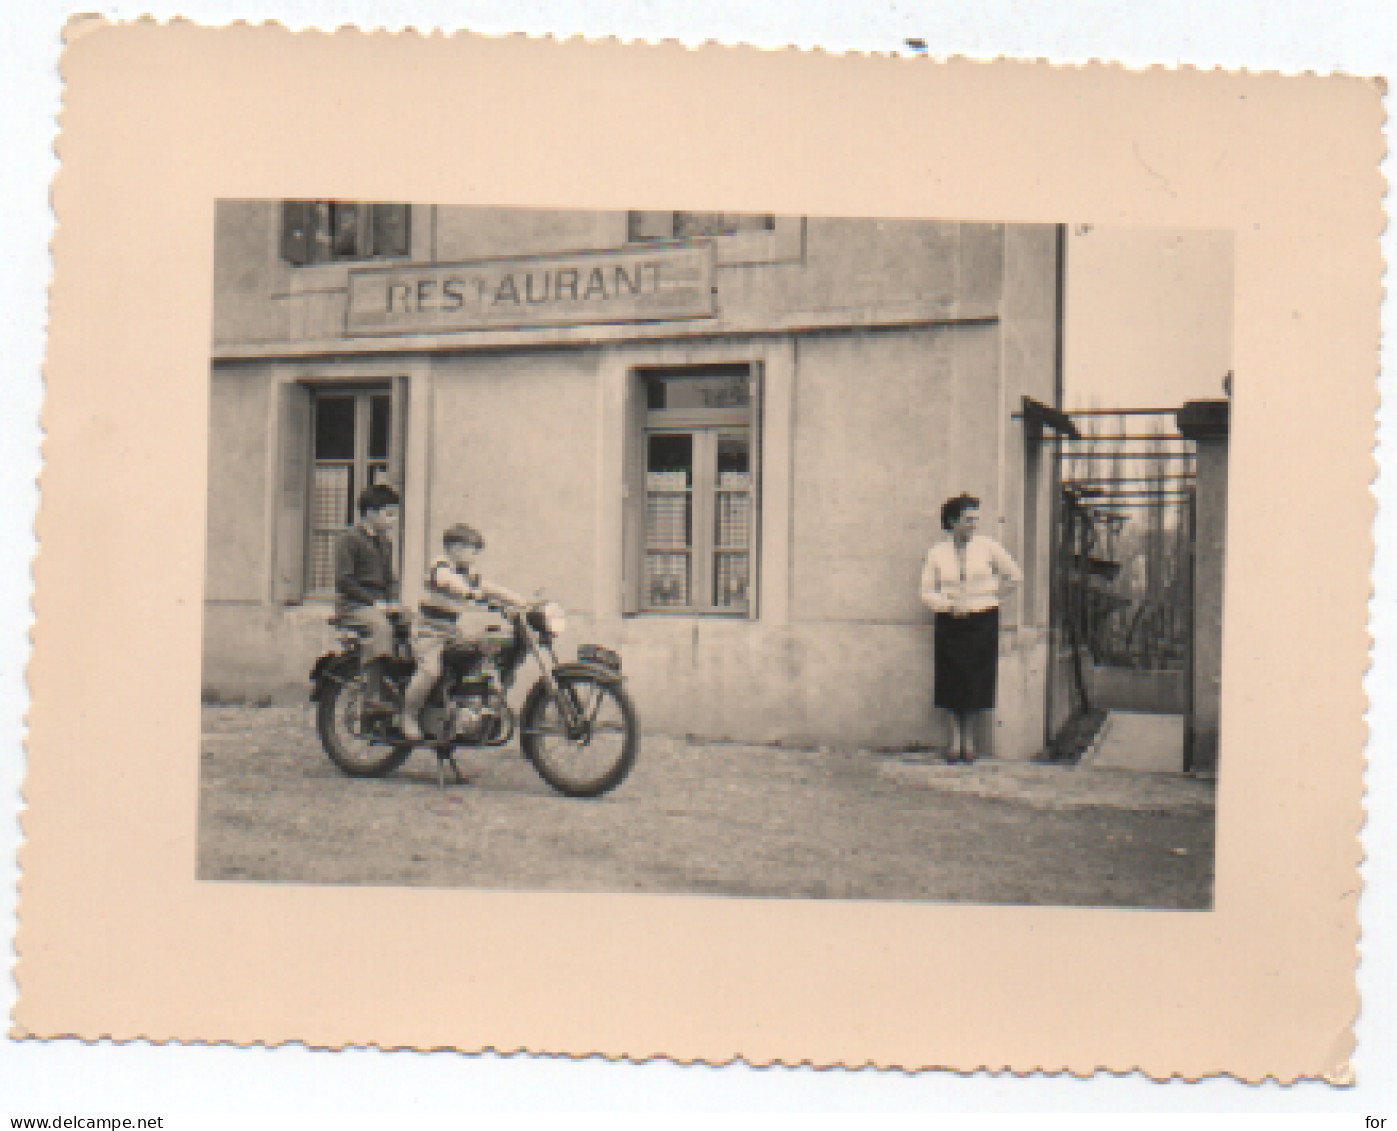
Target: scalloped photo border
x: 117, y: 939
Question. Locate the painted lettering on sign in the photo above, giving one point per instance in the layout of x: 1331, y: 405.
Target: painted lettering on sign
x: 533, y: 288
x: 607, y: 287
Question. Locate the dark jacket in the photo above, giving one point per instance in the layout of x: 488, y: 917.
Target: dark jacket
x: 364, y: 569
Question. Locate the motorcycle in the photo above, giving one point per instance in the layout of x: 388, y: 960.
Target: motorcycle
x: 577, y: 727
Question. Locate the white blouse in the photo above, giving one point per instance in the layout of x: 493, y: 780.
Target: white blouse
x: 973, y: 587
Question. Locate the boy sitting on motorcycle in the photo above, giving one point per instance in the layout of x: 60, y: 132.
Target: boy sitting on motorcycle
x: 366, y: 589
x: 452, y: 588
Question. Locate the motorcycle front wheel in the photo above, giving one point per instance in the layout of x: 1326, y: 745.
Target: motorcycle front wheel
x: 339, y: 718
x: 591, y: 758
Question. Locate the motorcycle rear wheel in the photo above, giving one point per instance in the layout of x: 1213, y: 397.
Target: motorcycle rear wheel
x: 597, y: 758
x: 339, y: 720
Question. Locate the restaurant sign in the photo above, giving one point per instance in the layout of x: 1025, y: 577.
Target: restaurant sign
x: 625, y: 286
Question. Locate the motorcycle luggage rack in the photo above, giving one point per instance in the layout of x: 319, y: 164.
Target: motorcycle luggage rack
x: 350, y: 623
x: 596, y: 654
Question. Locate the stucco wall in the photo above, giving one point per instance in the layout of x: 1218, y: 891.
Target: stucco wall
x: 875, y: 449
x: 237, y: 563
x: 1030, y: 360
x: 859, y: 266
x: 849, y: 266
x: 840, y: 684
x: 490, y: 233
x: 514, y: 453
x: 844, y: 684
x: 248, y: 273
x: 262, y: 652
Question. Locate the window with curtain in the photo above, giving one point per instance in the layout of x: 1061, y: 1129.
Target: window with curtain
x: 352, y: 448
x: 698, y: 540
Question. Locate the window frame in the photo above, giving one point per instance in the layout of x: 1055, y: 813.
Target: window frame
x: 643, y: 227
x: 364, y: 252
x: 706, y: 426
x: 395, y: 388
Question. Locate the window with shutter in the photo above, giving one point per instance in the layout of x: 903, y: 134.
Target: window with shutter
x: 333, y: 231
x: 334, y: 441
x: 389, y: 230
x: 293, y: 484
x: 297, y: 226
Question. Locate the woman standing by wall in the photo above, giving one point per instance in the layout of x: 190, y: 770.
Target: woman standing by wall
x: 963, y: 581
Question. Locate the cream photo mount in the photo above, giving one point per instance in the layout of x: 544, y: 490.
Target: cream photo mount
x: 1261, y: 985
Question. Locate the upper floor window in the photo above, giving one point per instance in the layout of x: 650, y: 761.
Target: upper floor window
x: 332, y: 231
x: 686, y: 225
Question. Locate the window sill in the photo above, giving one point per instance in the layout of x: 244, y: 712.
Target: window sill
x: 692, y: 614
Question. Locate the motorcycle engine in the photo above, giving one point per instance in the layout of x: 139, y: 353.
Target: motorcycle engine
x: 471, y: 717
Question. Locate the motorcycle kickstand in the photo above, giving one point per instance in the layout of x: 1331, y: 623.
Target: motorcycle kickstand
x: 445, y: 756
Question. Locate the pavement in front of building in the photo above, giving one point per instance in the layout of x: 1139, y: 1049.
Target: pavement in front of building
x: 1057, y: 786
x: 705, y: 818
x: 1135, y: 740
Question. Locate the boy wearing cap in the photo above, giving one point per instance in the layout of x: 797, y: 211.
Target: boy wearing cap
x: 452, y: 587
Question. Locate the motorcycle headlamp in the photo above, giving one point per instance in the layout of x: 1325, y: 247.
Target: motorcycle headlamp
x: 554, y: 619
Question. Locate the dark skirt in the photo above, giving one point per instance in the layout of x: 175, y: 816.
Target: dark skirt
x: 967, y: 660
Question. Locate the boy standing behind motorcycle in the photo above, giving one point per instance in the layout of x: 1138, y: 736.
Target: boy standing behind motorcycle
x: 452, y: 587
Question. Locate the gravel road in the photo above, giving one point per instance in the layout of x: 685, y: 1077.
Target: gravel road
x: 710, y: 818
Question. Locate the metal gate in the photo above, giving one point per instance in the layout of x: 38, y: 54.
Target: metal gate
x: 1123, y: 573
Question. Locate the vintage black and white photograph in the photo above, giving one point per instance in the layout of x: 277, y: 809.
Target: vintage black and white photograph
x: 726, y: 554
x: 908, y: 615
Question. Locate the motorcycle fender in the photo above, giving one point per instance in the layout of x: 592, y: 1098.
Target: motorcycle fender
x: 599, y: 672
x: 331, y: 667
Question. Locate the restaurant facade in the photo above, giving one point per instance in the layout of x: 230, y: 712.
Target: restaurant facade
x: 721, y: 441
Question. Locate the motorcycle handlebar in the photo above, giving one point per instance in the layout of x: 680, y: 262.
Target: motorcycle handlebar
x: 507, y: 608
